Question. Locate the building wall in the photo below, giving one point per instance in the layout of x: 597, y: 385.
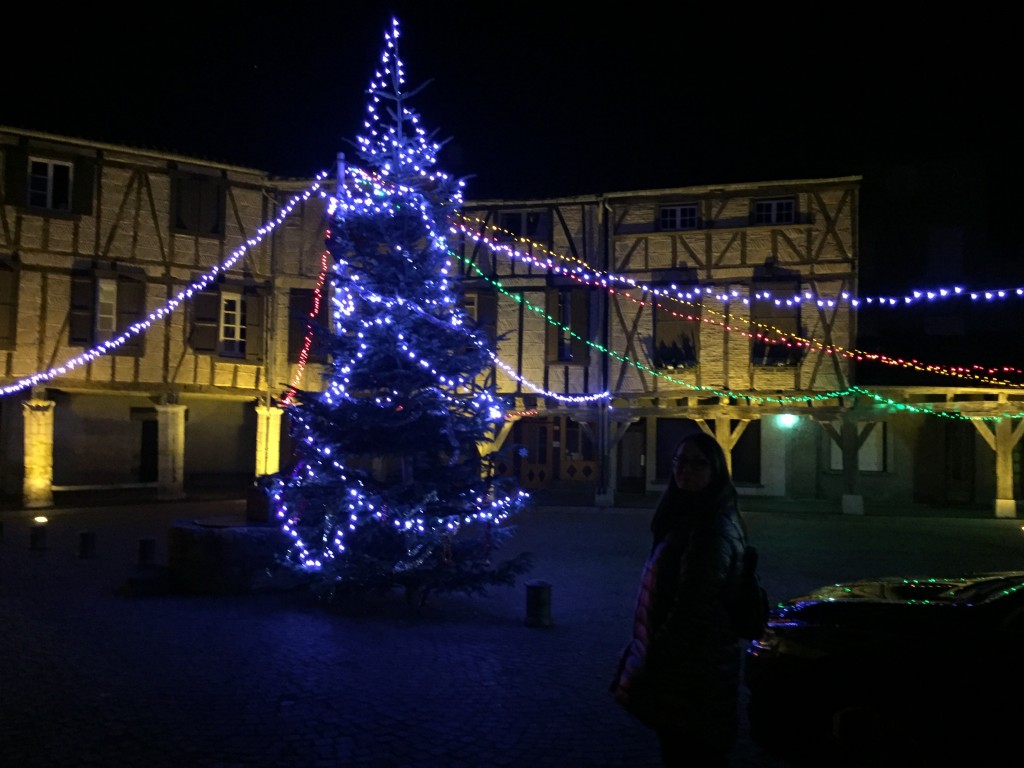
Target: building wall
x: 609, y: 251
x: 127, y: 231
x: 615, y: 247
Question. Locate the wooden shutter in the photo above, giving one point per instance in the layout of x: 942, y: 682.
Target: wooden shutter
x: 181, y: 208
x: 210, y: 201
x: 8, y: 306
x: 255, y: 300
x: 300, y: 304
x: 81, y: 310
x: 487, y: 315
x: 579, y: 312
x: 131, y: 308
x: 205, y: 332
x: 16, y: 176
x: 552, y: 331
x: 82, y: 190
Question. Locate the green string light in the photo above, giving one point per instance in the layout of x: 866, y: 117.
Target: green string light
x: 738, y: 395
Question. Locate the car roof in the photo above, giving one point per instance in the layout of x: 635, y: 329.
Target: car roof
x: 970, y: 588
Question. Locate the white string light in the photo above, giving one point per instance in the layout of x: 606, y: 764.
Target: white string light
x: 136, y: 328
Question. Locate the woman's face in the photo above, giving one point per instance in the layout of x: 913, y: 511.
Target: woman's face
x: 691, y: 469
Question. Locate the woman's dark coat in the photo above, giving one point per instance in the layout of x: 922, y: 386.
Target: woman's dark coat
x: 682, y: 667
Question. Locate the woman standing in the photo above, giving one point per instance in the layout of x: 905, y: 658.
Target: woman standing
x: 680, y: 674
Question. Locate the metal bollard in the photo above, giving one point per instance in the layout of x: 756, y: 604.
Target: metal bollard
x: 37, y: 537
x: 87, y: 544
x: 538, y: 604
x: 147, y: 551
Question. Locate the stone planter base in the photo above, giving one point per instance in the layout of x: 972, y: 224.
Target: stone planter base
x: 218, y: 556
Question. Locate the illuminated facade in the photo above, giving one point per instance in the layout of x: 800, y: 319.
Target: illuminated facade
x: 621, y: 320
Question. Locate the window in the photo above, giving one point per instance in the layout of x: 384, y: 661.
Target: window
x: 532, y: 225
x: 870, y: 455
x: 300, y: 308
x: 106, y: 308
x: 228, y: 322
x: 776, y: 333
x: 8, y: 302
x: 103, y: 306
x: 679, y: 216
x: 49, y: 184
x: 198, y: 204
x: 567, y: 336
x: 232, y: 324
x: 780, y: 210
x: 481, y: 306
x: 676, y: 325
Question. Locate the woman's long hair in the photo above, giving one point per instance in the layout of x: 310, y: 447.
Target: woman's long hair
x: 719, y: 492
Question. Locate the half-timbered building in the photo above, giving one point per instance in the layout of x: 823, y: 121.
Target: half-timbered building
x: 154, y: 309
x: 97, y: 240
x: 626, y: 319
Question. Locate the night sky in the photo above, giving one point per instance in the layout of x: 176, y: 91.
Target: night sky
x: 536, y: 98
x: 547, y: 99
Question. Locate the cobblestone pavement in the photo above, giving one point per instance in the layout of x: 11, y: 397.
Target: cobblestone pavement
x: 94, y: 677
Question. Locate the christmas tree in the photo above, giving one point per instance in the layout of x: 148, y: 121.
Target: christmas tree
x: 393, y: 487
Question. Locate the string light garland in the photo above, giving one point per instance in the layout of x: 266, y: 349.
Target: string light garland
x: 362, y: 176
x: 730, y: 394
x: 170, y: 306
x: 307, y: 342
x: 594, y: 278
x: 574, y: 399
x: 915, y: 297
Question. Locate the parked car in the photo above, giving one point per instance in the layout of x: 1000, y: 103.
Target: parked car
x: 892, y: 671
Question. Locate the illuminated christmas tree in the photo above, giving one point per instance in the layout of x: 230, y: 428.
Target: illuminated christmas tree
x: 392, y: 488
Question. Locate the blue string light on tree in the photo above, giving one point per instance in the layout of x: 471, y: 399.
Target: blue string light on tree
x: 391, y: 489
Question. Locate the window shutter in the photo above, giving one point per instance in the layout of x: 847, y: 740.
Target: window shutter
x: 580, y: 311
x: 255, y: 300
x: 211, y: 194
x: 82, y: 193
x: 551, y: 331
x: 205, y: 332
x: 487, y: 314
x: 16, y: 176
x: 538, y: 226
x: 300, y: 304
x: 131, y: 308
x: 181, y: 213
x: 80, y: 313
x: 8, y: 306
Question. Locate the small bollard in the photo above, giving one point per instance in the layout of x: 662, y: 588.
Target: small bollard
x: 147, y: 551
x: 257, y: 505
x: 87, y: 544
x: 538, y: 604
x: 37, y: 537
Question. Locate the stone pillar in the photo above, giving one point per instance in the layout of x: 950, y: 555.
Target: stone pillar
x: 268, y: 439
x: 605, y: 497
x: 1005, y: 439
x: 850, y: 442
x: 608, y: 450
x: 37, y: 486
x: 170, y: 451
